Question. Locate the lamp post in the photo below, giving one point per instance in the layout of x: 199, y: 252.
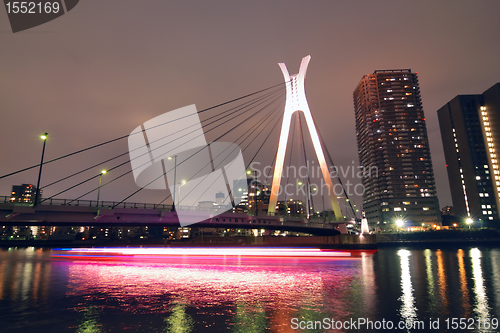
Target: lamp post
x: 179, y: 194
x: 175, y: 176
x: 103, y: 172
x: 37, y: 195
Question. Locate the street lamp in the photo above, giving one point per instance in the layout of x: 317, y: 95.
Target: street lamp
x: 183, y: 182
x: 37, y: 195
x: 175, y: 176
x: 103, y: 172
x: 469, y: 221
x: 400, y: 223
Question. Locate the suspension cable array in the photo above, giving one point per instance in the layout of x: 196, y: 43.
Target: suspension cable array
x: 250, y: 121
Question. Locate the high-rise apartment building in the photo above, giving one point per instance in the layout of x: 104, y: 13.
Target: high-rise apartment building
x: 470, y: 130
x: 392, y: 137
x: 24, y: 193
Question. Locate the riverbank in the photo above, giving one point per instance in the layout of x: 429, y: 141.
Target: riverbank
x: 432, y: 239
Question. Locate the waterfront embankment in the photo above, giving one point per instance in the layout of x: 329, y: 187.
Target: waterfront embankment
x: 437, y: 238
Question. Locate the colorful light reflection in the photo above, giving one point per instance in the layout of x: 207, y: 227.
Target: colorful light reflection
x: 203, y: 253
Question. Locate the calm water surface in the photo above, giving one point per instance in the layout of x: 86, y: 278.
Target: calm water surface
x: 41, y: 294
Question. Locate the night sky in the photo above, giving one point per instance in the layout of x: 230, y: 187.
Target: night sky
x: 107, y: 66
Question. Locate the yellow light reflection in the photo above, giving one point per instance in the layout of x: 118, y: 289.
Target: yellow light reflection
x: 179, y: 321
x: 250, y: 318
x: 443, y: 286
x: 430, y: 280
x: 90, y: 323
x: 2, y: 277
x: 464, y: 290
x: 36, y: 281
x: 408, y: 310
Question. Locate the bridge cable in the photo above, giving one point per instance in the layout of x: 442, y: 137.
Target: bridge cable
x: 338, y: 176
x: 251, y: 141
x: 232, y: 129
x: 126, y: 136
x: 290, y: 156
x: 249, y: 130
x: 308, y: 194
x: 126, y: 162
x: 128, y: 152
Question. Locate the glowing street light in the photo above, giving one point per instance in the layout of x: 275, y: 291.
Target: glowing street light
x: 400, y: 223
x: 103, y: 172
x: 469, y: 221
x: 175, y: 176
x: 37, y: 195
x: 182, y: 183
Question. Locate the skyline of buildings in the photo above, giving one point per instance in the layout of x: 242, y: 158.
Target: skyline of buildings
x: 468, y: 125
x: 392, y: 136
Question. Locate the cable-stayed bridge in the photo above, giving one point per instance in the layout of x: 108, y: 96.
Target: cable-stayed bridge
x: 250, y: 122
x: 87, y: 213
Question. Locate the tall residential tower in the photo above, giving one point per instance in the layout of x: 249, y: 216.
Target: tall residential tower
x: 470, y: 132
x: 392, y: 136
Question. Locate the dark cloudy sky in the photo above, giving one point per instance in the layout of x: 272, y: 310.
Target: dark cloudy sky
x: 109, y: 65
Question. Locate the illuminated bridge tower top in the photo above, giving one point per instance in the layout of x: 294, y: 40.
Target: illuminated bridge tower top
x: 296, y: 101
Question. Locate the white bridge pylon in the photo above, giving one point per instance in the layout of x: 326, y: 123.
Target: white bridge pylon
x: 296, y: 101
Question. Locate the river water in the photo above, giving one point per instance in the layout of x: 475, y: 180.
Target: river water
x: 408, y: 290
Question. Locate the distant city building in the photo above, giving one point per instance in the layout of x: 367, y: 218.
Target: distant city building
x: 291, y: 207
x: 24, y: 193
x: 448, y: 216
x: 392, y: 137
x: 470, y: 130
x: 447, y: 210
x: 241, y: 193
x: 219, y: 198
x: 206, y: 206
x: 252, y: 195
x: 216, y: 206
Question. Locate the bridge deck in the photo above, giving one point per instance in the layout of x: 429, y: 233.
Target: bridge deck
x: 89, y: 215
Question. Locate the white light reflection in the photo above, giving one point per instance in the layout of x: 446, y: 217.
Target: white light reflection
x: 481, y: 307
x: 408, y: 310
x: 495, y: 259
x: 369, y: 287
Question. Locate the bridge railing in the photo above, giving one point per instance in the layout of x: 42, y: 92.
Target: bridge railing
x: 109, y: 204
x: 89, y: 203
